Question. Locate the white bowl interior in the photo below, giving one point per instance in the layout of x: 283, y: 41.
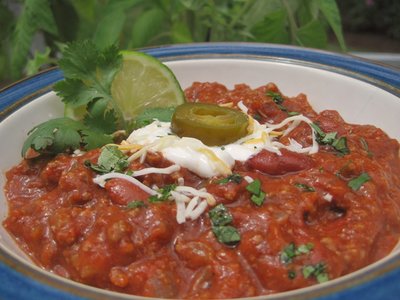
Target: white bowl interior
x: 357, y: 101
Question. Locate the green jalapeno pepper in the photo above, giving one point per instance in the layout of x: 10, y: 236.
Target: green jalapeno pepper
x: 212, y: 124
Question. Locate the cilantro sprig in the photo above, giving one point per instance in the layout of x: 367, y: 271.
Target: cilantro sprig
x: 89, y: 73
x: 63, y: 135
x: 111, y: 159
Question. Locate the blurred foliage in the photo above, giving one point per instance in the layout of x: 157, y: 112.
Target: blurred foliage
x: 140, y: 23
x: 378, y: 16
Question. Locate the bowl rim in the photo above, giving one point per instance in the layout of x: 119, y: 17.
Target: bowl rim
x: 28, y: 89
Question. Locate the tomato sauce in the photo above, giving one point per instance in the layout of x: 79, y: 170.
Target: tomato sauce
x: 79, y: 230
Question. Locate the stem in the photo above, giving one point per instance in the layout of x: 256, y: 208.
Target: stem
x: 292, y: 21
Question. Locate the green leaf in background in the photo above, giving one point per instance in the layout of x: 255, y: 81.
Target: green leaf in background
x: 180, y: 33
x: 312, y: 35
x: 36, y: 14
x: 331, y: 12
x: 109, y: 29
x: 273, y: 29
x: 39, y: 59
x: 147, y: 26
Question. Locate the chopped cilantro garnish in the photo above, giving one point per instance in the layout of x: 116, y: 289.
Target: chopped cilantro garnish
x: 318, y: 271
x: 288, y: 253
x: 365, y: 146
x: 227, y: 235
x: 291, y: 251
x: 291, y: 274
x: 339, y: 144
x: 165, y: 193
x: 258, y: 199
x: 135, y: 204
x: 236, y: 178
x: 258, y: 195
x: 276, y: 97
x: 220, y: 219
x: 111, y: 159
x: 357, y: 182
x: 304, y: 187
x: 220, y: 215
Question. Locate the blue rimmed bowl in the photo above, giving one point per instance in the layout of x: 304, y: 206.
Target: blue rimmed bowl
x: 361, y: 91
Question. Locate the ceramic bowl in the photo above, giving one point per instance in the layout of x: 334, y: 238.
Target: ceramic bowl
x: 363, y: 93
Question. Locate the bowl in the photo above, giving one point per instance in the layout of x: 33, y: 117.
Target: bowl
x: 363, y: 93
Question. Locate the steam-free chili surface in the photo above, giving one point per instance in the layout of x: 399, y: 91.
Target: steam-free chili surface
x: 313, y: 225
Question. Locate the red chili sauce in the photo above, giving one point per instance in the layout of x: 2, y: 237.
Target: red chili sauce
x: 76, y: 229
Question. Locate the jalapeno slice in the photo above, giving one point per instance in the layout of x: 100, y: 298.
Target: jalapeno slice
x: 212, y: 124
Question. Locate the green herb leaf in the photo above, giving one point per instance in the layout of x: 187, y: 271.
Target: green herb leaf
x: 227, y: 235
x: 147, y: 116
x: 339, y: 144
x: 356, y: 183
x: 304, y: 187
x: 276, y: 97
x: 318, y: 271
x: 135, y: 204
x: 291, y: 251
x: 220, y: 215
x: 61, y: 135
x: 111, y: 159
x: 88, y: 75
x: 288, y: 253
x: 258, y: 195
x: 165, y: 193
x: 236, y: 178
x: 365, y: 146
x: 291, y: 274
x: 258, y: 199
x: 254, y: 187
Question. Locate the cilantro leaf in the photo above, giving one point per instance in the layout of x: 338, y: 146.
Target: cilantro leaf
x: 339, y: 144
x: 61, y: 135
x: 291, y: 251
x: 135, y: 204
x: 165, y: 193
x: 276, y: 97
x: 111, y: 159
x: 88, y: 75
x: 318, y: 271
x: 220, y: 215
x: 227, y: 235
x: 220, y: 219
x: 236, y: 178
x: 357, y: 182
x: 258, y: 195
x: 99, y: 117
x: 304, y: 187
x: 147, y: 116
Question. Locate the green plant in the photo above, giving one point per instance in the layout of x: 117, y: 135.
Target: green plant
x: 138, y: 23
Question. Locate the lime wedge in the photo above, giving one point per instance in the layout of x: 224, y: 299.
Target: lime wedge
x: 144, y: 82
